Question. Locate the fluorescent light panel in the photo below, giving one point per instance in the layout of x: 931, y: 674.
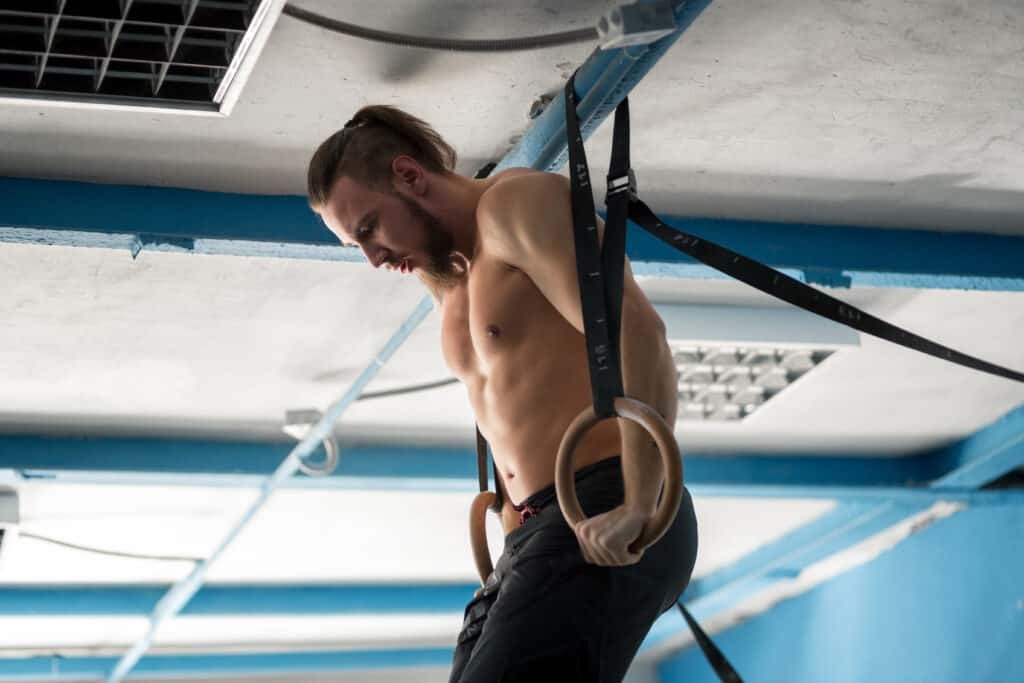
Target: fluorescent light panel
x: 728, y: 383
x: 734, y: 359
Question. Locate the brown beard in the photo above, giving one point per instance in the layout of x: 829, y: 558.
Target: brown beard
x: 445, y: 267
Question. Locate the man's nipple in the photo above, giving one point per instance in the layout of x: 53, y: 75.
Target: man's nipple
x: 493, y: 331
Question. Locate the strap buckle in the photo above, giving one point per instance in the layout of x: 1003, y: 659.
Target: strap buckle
x: 622, y: 183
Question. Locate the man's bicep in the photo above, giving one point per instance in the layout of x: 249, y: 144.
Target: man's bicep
x: 538, y: 239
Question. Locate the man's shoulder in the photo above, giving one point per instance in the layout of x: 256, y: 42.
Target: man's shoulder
x: 515, y: 207
x: 518, y: 193
x: 519, y: 184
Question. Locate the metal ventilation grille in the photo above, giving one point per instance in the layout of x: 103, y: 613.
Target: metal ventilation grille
x: 730, y: 383
x: 123, y: 51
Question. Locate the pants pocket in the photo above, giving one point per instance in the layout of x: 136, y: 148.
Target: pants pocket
x: 476, y: 611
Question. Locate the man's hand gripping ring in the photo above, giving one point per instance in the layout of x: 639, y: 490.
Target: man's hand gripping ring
x: 650, y: 420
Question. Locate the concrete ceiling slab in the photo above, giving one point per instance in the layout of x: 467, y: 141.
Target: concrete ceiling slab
x: 905, y: 114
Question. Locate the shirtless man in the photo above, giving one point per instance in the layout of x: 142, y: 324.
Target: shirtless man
x: 497, y: 255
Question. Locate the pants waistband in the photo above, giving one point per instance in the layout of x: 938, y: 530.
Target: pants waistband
x: 548, y: 495
x: 545, y: 501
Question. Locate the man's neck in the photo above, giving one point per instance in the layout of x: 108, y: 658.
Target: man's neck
x: 453, y: 202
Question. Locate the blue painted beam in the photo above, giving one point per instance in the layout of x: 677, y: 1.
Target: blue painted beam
x: 956, y: 472
x: 76, y: 668
x: 137, y: 218
x: 852, y: 494
x: 170, y: 213
x: 845, y: 256
x: 190, y: 221
x: 778, y: 558
x: 40, y: 456
x: 242, y: 599
x: 984, y: 456
x: 184, y: 456
x: 234, y: 464
x: 602, y: 82
x: 844, y: 526
x: 942, y: 606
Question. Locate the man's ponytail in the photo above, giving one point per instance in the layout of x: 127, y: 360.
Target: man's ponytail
x: 365, y: 147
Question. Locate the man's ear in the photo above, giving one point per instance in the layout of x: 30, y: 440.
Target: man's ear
x: 408, y: 176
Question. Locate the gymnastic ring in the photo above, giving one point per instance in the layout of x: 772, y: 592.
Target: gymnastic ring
x: 478, y: 534
x: 648, y: 418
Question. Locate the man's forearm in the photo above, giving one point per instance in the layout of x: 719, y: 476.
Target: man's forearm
x: 649, y: 375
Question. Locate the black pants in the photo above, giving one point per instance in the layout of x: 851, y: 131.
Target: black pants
x: 547, y: 615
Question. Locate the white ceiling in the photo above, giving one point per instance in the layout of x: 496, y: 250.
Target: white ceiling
x: 879, y: 113
x: 223, y: 346
x: 905, y: 114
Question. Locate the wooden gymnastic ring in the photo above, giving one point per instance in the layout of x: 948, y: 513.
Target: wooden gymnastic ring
x: 654, y: 423
x: 478, y: 534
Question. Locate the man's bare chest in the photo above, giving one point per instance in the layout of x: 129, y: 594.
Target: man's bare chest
x: 491, y: 315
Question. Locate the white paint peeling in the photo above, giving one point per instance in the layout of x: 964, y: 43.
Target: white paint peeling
x: 813, y: 575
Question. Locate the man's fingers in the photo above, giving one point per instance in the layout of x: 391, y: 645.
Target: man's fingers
x: 605, y: 558
x: 583, y: 551
x: 584, y: 542
x: 592, y: 555
x: 619, y: 558
x: 593, y: 549
x: 631, y: 557
x: 601, y: 545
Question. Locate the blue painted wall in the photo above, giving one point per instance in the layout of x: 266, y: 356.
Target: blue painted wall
x: 947, y: 604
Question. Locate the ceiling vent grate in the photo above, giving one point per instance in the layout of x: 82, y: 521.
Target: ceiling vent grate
x: 169, y: 54
x: 728, y: 383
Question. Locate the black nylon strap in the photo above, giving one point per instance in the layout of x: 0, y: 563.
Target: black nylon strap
x: 605, y: 373
x: 613, y: 250
x: 499, y: 494
x: 481, y: 472
x: 793, y: 291
x: 481, y: 460
x: 715, y: 658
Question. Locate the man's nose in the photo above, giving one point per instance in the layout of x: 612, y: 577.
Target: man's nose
x: 376, y: 256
